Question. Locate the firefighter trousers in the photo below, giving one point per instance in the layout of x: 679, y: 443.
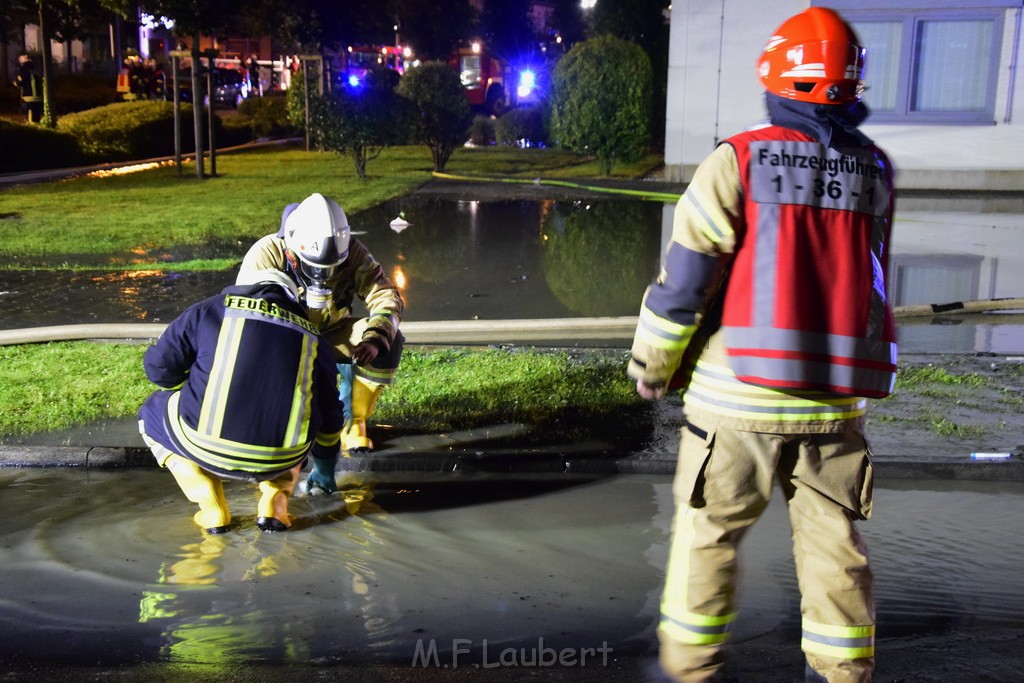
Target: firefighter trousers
x: 723, y: 483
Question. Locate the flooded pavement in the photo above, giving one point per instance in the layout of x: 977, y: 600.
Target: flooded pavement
x: 465, y: 578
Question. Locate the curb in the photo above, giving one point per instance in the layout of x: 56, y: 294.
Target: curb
x: 1010, y: 469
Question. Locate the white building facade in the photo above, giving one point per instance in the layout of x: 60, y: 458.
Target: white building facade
x: 944, y: 84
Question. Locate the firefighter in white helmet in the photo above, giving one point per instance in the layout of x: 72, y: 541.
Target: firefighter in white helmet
x: 771, y: 312
x: 332, y: 269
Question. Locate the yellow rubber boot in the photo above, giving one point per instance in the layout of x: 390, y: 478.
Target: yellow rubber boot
x: 203, y: 488
x: 272, y: 510
x: 364, y: 400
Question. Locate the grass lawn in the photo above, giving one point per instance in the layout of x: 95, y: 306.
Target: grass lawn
x: 156, y: 209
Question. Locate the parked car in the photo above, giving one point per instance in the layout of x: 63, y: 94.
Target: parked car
x: 230, y: 87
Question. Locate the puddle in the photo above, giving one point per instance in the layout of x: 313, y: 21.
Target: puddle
x: 109, y: 565
x: 464, y: 260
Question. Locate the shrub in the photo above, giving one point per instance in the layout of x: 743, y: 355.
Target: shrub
x: 10, y: 100
x: 234, y: 131
x: 441, y: 115
x: 360, y: 122
x: 601, y: 94
x: 28, y: 147
x: 267, y: 116
x: 481, y: 131
x: 132, y: 130
x: 523, y: 126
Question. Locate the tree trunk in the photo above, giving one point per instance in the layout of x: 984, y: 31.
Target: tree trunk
x: 48, y: 119
x: 359, y: 155
x: 197, y: 107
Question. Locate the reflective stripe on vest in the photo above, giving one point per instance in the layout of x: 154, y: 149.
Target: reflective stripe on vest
x: 716, y: 389
x: 840, y: 642
x: 811, y: 360
x: 206, y: 442
x: 224, y: 454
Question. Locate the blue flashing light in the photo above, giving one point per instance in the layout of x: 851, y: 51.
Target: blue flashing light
x: 353, y: 81
x: 527, y: 83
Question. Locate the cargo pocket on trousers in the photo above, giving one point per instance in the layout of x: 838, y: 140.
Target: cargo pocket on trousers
x: 867, y: 482
x: 694, y: 452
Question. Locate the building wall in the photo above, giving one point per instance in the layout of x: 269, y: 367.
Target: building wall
x: 713, y: 92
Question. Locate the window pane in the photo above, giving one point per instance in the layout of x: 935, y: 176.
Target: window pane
x: 883, y: 41
x: 952, y: 66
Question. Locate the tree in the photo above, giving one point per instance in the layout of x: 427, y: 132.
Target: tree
x: 601, y: 95
x: 440, y: 115
x: 567, y: 19
x: 192, y: 18
x: 645, y: 23
x: 359, y: 121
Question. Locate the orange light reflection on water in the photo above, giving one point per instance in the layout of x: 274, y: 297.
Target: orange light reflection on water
x: 399, y: 277
x: 131, y: 287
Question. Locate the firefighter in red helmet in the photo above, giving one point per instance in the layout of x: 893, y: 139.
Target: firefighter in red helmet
x: 771, y: 314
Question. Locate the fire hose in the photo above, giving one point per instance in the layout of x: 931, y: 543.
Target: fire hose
x: 478, y: 331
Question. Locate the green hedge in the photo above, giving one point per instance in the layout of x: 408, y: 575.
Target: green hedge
x: 523, y: 126
x: 267, y: 116
x: 29, y: 147
x: 129, y: 131
x: 481, y: 131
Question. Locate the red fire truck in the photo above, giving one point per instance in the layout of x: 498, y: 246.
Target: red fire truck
x: 492, y: 85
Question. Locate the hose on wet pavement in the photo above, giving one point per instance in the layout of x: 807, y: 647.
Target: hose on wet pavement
x: 476, y: 331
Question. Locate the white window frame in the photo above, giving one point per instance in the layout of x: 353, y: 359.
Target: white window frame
x: 911, y: 14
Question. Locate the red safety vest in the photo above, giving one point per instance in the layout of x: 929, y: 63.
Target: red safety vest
x: 806, y: 307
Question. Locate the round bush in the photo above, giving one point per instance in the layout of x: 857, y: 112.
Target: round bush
x: 267, y: 116
x: 523, y: 127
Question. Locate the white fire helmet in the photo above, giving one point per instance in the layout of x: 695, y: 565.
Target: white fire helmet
x: 317, y: 232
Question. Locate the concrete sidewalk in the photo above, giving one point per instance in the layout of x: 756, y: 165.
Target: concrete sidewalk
x: 900, y: 452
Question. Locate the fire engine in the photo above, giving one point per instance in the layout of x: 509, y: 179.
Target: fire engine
x: 359, y: 60
x: 492, y: 85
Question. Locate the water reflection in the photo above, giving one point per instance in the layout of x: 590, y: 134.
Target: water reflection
x: 945, y: 255
x: 577, y: 561
x: 464, y: 260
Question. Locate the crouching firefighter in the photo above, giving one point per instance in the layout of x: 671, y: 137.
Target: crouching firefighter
x: 248, y: 390
x: 331, y: 269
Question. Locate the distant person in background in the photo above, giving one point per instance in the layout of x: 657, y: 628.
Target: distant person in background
x: 30, y: 87
x: 253, y: 67
x: 157, y: 79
